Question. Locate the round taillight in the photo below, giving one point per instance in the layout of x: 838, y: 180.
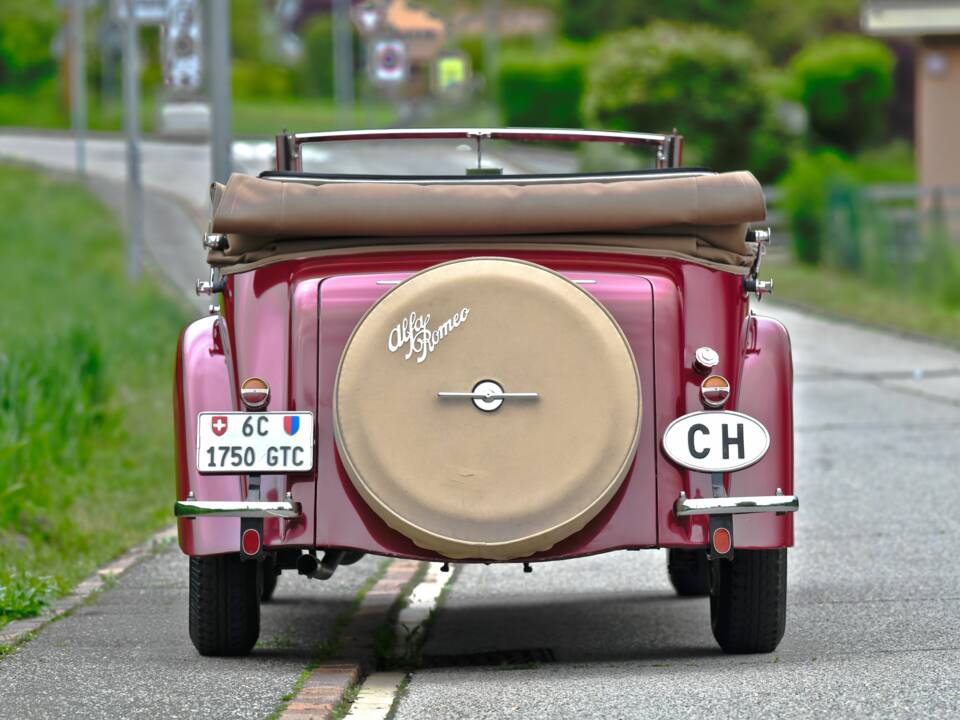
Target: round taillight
x: 254, y: 393
x: 715, y: 390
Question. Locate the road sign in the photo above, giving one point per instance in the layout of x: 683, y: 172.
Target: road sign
x: 182, y: 47
x: 451, y: 71
x: 145, y: 12
x: 369, y: 17
x: 389, y: 62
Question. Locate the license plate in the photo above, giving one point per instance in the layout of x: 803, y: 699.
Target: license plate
x: 265, y: 442
x: 716, y: 441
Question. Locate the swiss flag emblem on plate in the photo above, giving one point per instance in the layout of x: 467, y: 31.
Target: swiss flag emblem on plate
x: 218, y: 423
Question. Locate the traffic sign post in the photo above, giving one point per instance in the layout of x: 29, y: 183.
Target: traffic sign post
x: 78, y: 83
x: 219, y: 64
x: 131, y: 124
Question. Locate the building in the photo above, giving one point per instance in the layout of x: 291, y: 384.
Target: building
x: 936, y: 26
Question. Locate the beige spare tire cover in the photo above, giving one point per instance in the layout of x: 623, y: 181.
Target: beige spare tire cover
x: 474, y: 483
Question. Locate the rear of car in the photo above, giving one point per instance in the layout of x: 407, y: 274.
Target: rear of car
x: 485, y: 369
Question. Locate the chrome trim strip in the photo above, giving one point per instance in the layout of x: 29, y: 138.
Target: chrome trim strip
x: 236, y: 508
x: 528, y: 134
x: 686, y: 507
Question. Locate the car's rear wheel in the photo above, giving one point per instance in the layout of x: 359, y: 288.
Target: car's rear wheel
x: 748, y: 600
x: 224, y: 604
x: 270, y: 573
x: 689, y: 572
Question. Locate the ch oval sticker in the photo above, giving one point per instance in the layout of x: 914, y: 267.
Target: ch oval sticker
x: 715, y: 441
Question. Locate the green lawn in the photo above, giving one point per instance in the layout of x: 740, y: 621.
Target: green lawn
x: 86, y: 361
x: 251, y: 118
x: 846, y: 296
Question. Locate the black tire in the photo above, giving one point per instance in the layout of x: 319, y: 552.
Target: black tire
x: 689, y: 572
x: 748, y: 600
x: 224, y: 605
x: 271, y: 573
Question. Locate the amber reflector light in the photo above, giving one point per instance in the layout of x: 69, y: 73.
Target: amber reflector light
x: 715, y: 390
x: 255, y: 393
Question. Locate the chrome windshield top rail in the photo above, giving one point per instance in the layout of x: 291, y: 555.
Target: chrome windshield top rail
x: 669, y: 146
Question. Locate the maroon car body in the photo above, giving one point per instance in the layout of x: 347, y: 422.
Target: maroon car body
x: 287, y: 322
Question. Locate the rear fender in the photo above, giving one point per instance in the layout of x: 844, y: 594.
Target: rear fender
x: 202, y: 383
x: 765, y: 391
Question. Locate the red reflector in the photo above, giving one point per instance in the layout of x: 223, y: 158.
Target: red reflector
x: 721, y: 541
x: 250, y: 541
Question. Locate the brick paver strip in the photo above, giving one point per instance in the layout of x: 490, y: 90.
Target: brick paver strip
x: 326, y: 685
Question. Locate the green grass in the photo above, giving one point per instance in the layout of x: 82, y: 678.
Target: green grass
x: 269, y: 117
x: 41, y: 107
x: 85, y: 389
x: 847, y: 296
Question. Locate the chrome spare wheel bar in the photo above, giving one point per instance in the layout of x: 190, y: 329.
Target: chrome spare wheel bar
x: 489, y: 395
x: 779, y: 503
x: 191, y: 508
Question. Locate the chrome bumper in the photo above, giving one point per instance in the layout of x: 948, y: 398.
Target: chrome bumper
x: 685, y: 507
x: 190, y: 509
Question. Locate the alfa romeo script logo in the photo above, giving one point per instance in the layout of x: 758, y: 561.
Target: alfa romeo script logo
x: 415, y: 334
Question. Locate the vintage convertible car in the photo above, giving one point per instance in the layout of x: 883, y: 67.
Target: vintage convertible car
x: 485, y: 368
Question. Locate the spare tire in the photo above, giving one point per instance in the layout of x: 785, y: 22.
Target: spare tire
x: 487, y: 477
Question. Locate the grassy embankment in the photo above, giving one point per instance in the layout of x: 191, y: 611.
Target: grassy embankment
x: 843, y: 295
x: 85, y: 390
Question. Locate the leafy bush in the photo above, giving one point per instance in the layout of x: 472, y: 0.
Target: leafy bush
x: 26, y: 34
x: 544, y: 89
x: 24, y: 595
x: 317, y: 69
x: 845, y: 82
x: 807, y: 186
x: 778, y: 27
x: 710, y: 85
x: 258, y: 81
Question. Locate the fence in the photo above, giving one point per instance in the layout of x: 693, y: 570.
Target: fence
x: 901, y: 235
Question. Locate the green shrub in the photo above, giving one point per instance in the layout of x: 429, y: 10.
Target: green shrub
x: 845, y: 83
x: 710, y: 85
x: 542, y: 89
x: 807, y: 188
x: 778, y: 27
x: 23, y: 594
x: 258, y: 81
x: 27, y: 30
x: 317, y: 68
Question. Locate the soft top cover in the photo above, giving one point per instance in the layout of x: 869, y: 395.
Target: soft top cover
x: 702, y: 218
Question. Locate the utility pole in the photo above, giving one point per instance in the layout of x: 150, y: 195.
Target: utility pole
x: 491, y: 46
x: 78, y: 84
x: 219, y: 64
x: 131, y: 123
x: 342, y: 61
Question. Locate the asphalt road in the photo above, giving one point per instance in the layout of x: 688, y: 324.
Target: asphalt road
x: 873, y: 626
x: 874, y: 592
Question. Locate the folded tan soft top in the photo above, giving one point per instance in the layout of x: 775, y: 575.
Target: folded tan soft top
x: 702, y: 218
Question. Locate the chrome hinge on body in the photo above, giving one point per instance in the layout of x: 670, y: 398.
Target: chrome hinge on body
x: 214, y: 285
x: 761, y: 236
x: 214, y: 241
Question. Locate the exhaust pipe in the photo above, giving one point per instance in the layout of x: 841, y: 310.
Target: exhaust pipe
x: 307, y: 564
